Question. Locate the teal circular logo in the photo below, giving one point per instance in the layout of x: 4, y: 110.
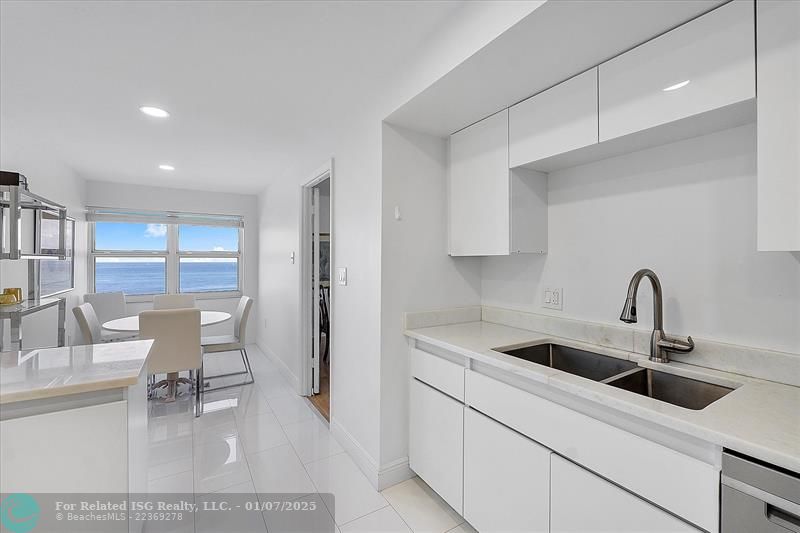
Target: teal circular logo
x: 19, y: 513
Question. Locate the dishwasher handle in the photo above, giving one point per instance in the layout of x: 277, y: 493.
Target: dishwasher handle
x: 782, y: 518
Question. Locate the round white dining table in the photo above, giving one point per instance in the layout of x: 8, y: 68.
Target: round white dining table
x: 131, y: 323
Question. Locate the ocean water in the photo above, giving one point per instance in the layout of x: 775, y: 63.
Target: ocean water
x: 150, y: 278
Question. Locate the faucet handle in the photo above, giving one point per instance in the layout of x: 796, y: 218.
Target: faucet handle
x: 676, y: 344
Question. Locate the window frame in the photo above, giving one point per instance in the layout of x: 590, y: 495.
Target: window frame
x: 172, y: 255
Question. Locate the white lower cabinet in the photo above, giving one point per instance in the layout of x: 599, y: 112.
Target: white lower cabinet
x: 506, y: 478
x: 498, y: 459
x: 436, y: 441
x: 581, y: 502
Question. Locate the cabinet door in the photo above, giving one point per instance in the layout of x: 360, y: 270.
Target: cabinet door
x: 478, y: 191
x: 702, y: 65
x: 558, y: 120
x: 581, y: 501
x: 506, y: 478
x: 778, y: 125
x: 436, y: 441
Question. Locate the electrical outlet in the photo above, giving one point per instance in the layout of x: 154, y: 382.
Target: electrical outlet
x: 553, y: 298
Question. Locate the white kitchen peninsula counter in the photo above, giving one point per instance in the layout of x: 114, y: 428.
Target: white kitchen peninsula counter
x: 74, y: 419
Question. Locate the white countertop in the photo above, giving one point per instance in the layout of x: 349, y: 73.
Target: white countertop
x: 54, y: 372
x: 759, y: 418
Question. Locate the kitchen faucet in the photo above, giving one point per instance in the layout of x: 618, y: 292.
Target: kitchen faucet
x: 660, y: 342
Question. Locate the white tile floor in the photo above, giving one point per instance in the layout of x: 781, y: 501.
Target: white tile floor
x: 265, y: 438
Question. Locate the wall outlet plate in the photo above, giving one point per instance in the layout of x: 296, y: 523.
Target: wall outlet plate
x: 553, y: 298
x: 341, y: 275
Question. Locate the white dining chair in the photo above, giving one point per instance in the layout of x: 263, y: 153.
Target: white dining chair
x: 176, y: 347
x: 91, y: 329
x: 232, y: 343
x: 109, y: 306
x: 173, y: 301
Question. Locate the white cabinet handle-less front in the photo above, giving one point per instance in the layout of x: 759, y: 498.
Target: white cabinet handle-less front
x: 707, y: 63
x: 582, y: 502
x: 778, y: 125
x: 436, y: 437
x: 558, y: 120
x: 479, y: 188
x: 506, y: 478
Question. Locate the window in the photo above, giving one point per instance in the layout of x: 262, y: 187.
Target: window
x: 156, y: 253
x: 208, y: 258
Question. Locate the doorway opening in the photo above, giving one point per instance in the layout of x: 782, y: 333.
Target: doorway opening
x: 316, y: 295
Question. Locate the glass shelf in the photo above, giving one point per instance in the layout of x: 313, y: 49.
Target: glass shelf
x: 31, y: 226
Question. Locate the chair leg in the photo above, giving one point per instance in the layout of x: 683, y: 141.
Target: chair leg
x: 198, y: 392
x: 247, y: 370
x: 246, y: 361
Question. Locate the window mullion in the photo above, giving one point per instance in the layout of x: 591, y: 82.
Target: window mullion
x: 172, y: 259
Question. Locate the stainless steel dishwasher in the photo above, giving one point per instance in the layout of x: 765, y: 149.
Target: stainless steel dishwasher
x: 758, y: 498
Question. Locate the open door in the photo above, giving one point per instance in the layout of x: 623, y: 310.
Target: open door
x: 315, y: 292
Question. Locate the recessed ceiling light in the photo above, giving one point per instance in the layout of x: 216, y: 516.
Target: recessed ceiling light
x: 684, y: 83
x: 166, y: 167
x: 154, y: 111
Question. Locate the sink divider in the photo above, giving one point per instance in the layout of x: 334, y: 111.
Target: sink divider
x: 623, y: 374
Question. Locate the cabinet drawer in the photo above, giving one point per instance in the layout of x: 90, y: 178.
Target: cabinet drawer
x: 684, y: 485
x: 436, y: 441
x: 582, y: 501
x: 439, y: 373
x: 558, y: 120
x: 715, y: 53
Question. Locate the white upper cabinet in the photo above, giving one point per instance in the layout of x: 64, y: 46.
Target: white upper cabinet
x: 558, y: 120
x: 479, y: 188
x: 493, y: 211
x: 703, y: 65
x: 778, y: 125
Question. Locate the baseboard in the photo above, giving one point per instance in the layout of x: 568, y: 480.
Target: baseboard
x: 364, y: 461
x: 380, y: 477
x: 293, y: 380
x: 394, y: 473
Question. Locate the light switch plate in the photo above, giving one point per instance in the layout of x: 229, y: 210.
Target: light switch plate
x: 341, y: 275
x: 553, y: 298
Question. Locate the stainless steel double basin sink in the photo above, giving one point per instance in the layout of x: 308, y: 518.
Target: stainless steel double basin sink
x: 623, y: 374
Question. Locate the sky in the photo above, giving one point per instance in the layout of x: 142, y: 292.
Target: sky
x: 153, y: 237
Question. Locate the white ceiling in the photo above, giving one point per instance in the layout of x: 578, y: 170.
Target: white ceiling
x: 248, y: 84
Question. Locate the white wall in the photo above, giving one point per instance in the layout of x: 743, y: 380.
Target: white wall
x: 60, y: 184
x: 686, y: 210
x: 107, y: 194
x: 355, y: 309
x: 357, y: 391
x: 416, y: 272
